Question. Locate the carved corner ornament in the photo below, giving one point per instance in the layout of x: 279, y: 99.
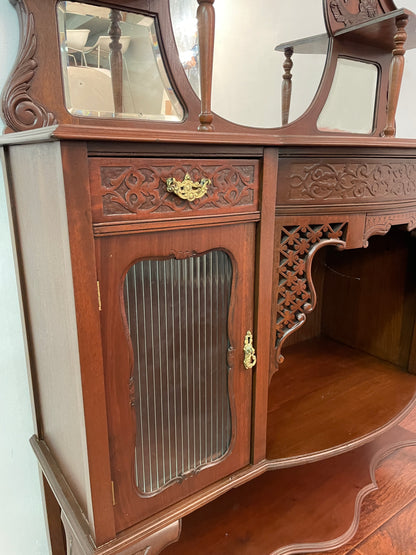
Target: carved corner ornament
x: 20, y: 111
x: 380, y: 224
x: 367, y: 9
x: 296, y: 294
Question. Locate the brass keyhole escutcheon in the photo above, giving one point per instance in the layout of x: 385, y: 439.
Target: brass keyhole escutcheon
x: 250, y: 358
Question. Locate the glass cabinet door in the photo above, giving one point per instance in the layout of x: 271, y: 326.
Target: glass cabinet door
x: 176, y: 308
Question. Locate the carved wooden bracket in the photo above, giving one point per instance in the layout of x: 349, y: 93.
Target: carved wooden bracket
x: 380, y: 224
x: 20, y: 111
x: 296, y: 296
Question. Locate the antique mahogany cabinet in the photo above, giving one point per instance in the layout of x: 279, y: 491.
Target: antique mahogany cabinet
x: 217, y: 273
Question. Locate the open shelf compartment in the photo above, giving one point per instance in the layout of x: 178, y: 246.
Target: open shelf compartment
x: 348, y: 373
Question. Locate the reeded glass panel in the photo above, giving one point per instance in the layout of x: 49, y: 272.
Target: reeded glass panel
x: 177, y: 313
x: 351, y: 101
x: 113, y: 77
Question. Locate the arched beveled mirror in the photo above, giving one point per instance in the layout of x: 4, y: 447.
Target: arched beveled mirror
x: 249, y: 54
x: 112, y: 64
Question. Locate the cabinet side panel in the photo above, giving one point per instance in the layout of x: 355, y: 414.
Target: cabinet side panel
x: 45, y: 267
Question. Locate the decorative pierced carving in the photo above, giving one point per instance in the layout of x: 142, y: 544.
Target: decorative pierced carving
x: 351, y: 180
x: 377, y: 224
x: 296, y: 294
x: 143, y: 191
x: 21, y: 112
x: 367, y: 9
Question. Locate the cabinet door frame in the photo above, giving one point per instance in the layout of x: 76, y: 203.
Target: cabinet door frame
x: 116, y: 254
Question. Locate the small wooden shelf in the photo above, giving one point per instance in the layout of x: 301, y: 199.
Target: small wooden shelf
x: 328, y: 397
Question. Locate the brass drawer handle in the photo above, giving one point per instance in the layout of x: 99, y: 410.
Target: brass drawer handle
x: 250, y: 358
x: 188, y: 189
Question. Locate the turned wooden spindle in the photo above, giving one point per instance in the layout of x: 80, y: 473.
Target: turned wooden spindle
x: 206, y: 28
x: 396, y: 74
x: 116, y: 60
x: 287, y: 84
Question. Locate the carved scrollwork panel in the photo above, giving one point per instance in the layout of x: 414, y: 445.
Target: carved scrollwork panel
x: 21, y: 112
x: 139, y: 188
x: 297, y: 245
x: 351, y: 180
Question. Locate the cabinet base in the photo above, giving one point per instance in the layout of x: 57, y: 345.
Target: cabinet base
x: 304, y: 509
x: 310, y: 508
x: 151, y: 545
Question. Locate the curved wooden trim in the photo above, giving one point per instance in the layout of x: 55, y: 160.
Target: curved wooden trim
x: 298, y: 460
x: 21, y: 112
x: 352, y: 530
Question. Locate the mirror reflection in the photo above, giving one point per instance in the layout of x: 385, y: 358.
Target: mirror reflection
x: 247, y: 80
x: 351, y: 101
x: 112, y: 66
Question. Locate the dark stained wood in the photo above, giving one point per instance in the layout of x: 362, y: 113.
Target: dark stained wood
x: 116, y: 60
x: 385, y: 508
x: 396, y: 74
x: 116, y: 257
x: 376, y: 35
x: 264, y: 314
x: 75, y: 167
x: 206, y: 29
x: 137, y: 188
x: 53, y: 514
x: 327, y: 395
x: 278, y: 197
x: 294, y: 507
x: 378, y: 281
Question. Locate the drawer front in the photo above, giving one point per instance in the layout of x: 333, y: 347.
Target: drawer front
x: 138, y: 188
x: 345, y: 181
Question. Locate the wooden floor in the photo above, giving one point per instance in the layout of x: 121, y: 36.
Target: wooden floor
x: 388, y: 515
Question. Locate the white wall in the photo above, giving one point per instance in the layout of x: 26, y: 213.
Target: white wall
x: 22, y: 528
x: 22, y: 522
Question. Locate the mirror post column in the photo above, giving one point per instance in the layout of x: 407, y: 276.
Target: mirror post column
x: 206, y: 30
x: 396, y: 74
x: 116, y: 60
x: 287, y: 84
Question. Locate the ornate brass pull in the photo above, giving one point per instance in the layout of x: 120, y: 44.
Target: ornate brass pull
x: 250, y: 358
x: 188, y: 189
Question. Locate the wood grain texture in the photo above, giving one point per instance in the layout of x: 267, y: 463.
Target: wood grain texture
x: 292, y: 507
x: 396, y: 480
x: 379, y: 281
x: 326, y: 394
x: 116, y: 256
x: 136, y: 188
x: 395, y: 537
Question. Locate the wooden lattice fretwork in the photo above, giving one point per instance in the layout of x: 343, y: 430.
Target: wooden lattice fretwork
x: 296, y: 295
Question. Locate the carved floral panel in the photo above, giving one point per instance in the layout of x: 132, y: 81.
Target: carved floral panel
x: 141, y: 187
x: 347, y: 13
x: 348, y: 181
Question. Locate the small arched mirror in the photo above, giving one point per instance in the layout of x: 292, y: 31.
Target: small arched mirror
x: 112, y: 64
x: 249, y: 53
